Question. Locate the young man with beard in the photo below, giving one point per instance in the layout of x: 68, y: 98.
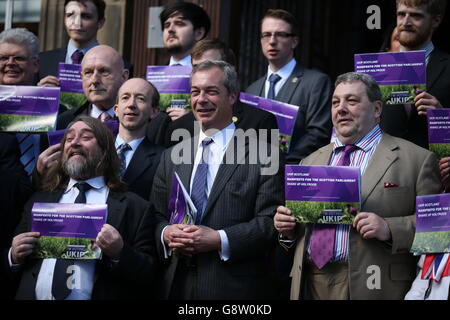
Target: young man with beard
x: 417, y: 21
x: 89, y: 169
x: 183, y: 24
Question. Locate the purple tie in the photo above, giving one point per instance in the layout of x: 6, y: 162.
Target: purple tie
x: 77, y: 56
x: 323, y: 236
x: 104, y: 116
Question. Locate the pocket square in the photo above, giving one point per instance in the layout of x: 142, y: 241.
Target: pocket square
x: 390, y: 185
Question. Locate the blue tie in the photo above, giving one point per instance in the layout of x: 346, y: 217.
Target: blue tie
x: 121, y: 153
x: 273, y: 79
x: 27, y: 154
x: 199, y: 186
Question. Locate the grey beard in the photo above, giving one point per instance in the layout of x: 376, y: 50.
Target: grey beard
x: 82, y: 169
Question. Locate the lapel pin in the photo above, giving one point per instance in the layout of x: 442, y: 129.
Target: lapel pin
x: 295, y: 80
x: 235, y: 119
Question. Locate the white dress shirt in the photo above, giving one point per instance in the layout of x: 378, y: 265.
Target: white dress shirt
x: 284, y: 73
x: 96, y: 112
x: 129, y: 153
x: 186, y: 61
x: 71, y: 49
x: 83, y: 270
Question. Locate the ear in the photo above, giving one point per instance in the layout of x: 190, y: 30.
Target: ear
x: 125, y: 74
x: 378, y: 108
x: 232, y: 98
x: 116, y: 106
x: 295, y: 42
x: 36, y: 65
x: 100, y: 23
x: 436, y: 21
x: 199, y: 34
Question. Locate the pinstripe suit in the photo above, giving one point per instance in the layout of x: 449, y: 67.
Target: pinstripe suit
x: 242, y: 202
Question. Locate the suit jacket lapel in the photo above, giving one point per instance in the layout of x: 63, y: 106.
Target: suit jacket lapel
x: 184, y: 170
x: 291, y: 84
x: 116, y: 209
x: 140, y: 161
x: 382, y: 159
x: 435, y: 68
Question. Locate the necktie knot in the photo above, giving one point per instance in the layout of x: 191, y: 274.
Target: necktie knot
x: 205, y: 143
x: 345, y: 158
x: 274, y: 78
x: 123, y: 147
x: 104, y: 116
x: 77, y: 57
x: 83, y: 187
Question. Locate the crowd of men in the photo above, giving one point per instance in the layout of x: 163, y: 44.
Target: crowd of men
x: 244, y: 243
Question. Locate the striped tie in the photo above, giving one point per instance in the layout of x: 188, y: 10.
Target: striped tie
x: 199, y: 186
x: 27, y: 153
x: 124, y: 147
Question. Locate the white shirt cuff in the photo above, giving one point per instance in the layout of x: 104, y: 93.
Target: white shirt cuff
x: 224, y: 246
x: 167, y: 251
x: 13, y: 266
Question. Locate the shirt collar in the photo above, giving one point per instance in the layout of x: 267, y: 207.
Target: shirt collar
x: 186, y: 61
x: 96, y: 183
x: 96, y: 112
x: 134, y: 144
x: 221, y: 138
x: 366, y: 143
x: 428, y: 47
x: 71, y: 48
x: 284, y: 72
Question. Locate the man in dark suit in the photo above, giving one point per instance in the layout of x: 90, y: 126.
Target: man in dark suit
x: 137, y: 102
x: 82, y: 20
x: 374, y: 261
x: 416, y: 25
x: 15, y: 190
x: 244, y: 116
x: 88, y: 173
x: 223, y: 255
x: 287, y: 81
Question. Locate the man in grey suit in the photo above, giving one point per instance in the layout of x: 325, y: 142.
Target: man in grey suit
x: 224, y: 255
x: 287, y: 81
x: 371, y: 259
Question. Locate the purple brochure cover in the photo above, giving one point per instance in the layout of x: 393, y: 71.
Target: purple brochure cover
x: 177, y: 207
x: 393, y: 68
x: 28, y: 108
x: 433, y: 213
x: 55, y: 137
x: 72, y: 220
x: 70, y: 78
x: 438, y: 125
x: 170, y: 79
x: 286, y: 114
x: 322, y: 183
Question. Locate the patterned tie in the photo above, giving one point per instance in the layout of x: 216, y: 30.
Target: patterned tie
x: 121, y: 153
x: 273, y: 79
x: 324, y: 235
x: 77, y: 56
x: 199, y: 186
x: 27, y: 154
x: 104, y: 116
x: 60, y: 285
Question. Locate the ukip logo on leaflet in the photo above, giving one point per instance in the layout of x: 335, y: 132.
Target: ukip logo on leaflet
x: 331, y: 216
x: 399, y: 97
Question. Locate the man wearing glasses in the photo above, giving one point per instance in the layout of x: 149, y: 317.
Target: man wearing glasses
x: 287, y: 81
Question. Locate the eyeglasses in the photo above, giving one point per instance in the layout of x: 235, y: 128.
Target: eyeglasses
x: 16, y: 59
x: 266, y: 36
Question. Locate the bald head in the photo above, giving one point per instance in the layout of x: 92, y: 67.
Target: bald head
x: 103, y: 73
x: 137, y: 103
